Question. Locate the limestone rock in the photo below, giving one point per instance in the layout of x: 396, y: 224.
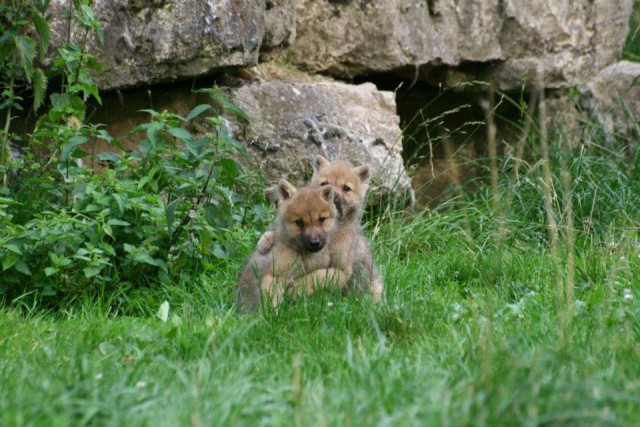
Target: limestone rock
x: 280, y: 27
x: 148, y: 41
x: 614, y: 98
x: 294, y: 121
x: 444, y: 41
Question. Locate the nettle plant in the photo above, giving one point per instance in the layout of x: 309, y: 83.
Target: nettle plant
x: 24, y: 39
x: 24, y: 46
x: 169, y: 210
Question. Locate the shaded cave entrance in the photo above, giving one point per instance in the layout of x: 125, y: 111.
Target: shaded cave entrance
x: 445, y: 132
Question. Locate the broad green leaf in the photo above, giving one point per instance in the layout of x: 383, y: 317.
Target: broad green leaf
x: 143, y: 256
x: 87, y: 89
x: 23, y: 268
x: 74, y: 142
x: 108, y: 248
x: 206, y: 238
x: 191, y: 146
x: 64, y: 261
x: 92, y: 62
x: 118, y: 222
x: 229, y: 168
x: 67, y: 104
x: 239, y: 147
x: 120, y: 202
x: 143, y: 181
x: 13, y: 248
x: 8, y: 262
x: 7, y: 201
x: 197, y: 111
x: 218, y: 252
x: 91, y: 271
x: 237, y: 111
x: 59, y: 101
x: 109, y: 157
x: 169, y: 213
x: 145, y: 146
x: 50, y: 271
x: 42, y: 28
x: 181, y: 133
x: 39, y: 88
x: 27, y: 51
x: 152, y: 129
x: 260, y: 212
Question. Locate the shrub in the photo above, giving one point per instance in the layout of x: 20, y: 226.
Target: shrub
x: 165, y: 209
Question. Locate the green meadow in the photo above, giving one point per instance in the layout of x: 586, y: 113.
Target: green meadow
x: 513, y: 301
x: 490, y: 317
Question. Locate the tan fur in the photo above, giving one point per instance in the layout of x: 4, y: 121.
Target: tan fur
x: 306, y: 224
x: 352, y: 266
x: 350, y: 252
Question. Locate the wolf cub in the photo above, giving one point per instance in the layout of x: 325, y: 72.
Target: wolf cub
x: 352, y: 266
x: 306, y: 223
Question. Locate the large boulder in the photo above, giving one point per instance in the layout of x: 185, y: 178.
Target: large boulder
x: 293, y: 118
x: 444, y: 41
x: 148, y: 41
x: 614, y: 99
x: 293, y: 121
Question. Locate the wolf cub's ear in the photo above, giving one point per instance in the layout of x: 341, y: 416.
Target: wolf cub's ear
x: 327, y: 193
x: 286, y: 190
x: 320, y: 163
x: 363, y: 173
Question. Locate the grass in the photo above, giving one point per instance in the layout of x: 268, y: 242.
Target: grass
x: 631, y: 50
x: 475, y: 329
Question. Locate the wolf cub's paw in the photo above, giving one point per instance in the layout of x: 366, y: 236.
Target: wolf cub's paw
x: 377, y: 290
x: 265, y: 243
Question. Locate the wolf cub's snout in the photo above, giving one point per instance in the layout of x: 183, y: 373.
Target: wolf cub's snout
x: 310, y: 215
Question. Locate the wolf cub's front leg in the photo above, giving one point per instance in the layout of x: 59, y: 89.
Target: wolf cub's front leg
x: 272, y: 290
x: 266, y: 242
x: 321, y: 278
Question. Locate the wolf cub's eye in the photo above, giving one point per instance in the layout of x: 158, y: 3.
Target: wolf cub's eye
x: 299, y: 223
x: 346, y: 188
x: 321, y: 220
x: 323, y: 183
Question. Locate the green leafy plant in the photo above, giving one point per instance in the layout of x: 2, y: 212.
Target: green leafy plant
x: 24, y: 39
x: 172, y: 207
x: 24, y: 43
x: 631, y: 51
